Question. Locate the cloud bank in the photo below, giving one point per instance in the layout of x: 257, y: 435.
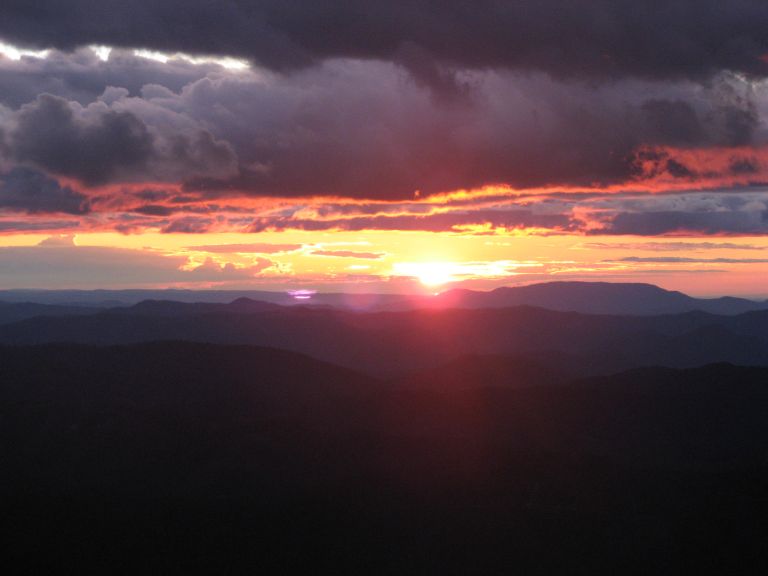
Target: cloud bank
x: 365, y: 115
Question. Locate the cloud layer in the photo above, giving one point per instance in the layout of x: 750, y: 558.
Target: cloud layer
x: 588, y: 117
x: 579, y: 38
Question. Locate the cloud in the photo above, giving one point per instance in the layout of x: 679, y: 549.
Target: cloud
x: 583, y: 38
x: 348, y: 254
x: 361, y: 129
x: 20, y: 226
x: 351, y: 141
x: 30, y: 191
x: 95, y: 150
x: 81, y: 76
x: 682, y: 259
x: 736, y: 222
x: 257, y: 248
x: 63, y: 240
x: 441, y: 222
x: 188, y: 225
x: 111, y: 142
x: 670, y: 246
x: 718, y: 213
x: 677, y: 214
x: 210, y: 270
x: 366, y: 129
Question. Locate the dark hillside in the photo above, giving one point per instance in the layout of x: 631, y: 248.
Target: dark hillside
x: 171, y: 457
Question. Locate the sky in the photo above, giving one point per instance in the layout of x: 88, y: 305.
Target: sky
x: 384, y: 146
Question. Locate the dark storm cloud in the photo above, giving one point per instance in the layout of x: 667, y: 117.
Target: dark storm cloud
x: 105, y: 143
x: 50, y: 135
x: 364, y: 129
x: 673, y: 122
x: 30, y: 191
x: 82, y: 76
x: 424, y: 121
x: 725, y: 116
x: 578, y: 38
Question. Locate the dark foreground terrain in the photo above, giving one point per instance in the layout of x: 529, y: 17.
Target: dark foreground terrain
x: 174, y: 457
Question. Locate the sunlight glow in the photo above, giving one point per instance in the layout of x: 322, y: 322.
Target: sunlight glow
x: 234, y: 64
x: 102, y: 52
x: 434, y: 273
x: 14, y: 53
x: 439, y: 273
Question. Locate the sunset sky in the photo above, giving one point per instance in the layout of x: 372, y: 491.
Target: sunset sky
x: 384, y: 146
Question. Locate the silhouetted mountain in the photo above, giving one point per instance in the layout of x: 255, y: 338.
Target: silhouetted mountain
x: 129, y: 297
x: 584, y: 297
x: 180, y: 457
x: 172, y: 308
x: 15, y: 311
x: 124, y: 298
x: 395, y: 343
x: 597, y: 298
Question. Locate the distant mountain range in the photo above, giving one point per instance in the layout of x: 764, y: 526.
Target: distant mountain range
x: 396, y: 343
x: 584, y: 297
x: 598, y: 298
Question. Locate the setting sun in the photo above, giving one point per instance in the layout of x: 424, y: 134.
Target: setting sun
x: 435, y: 273
x: 439, y: 273
x: 428, y: 273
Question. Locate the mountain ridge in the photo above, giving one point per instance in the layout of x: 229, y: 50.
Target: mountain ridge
x: 587, y: 297
x: 391, y: 343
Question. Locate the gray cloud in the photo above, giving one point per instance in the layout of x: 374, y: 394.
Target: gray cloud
x: 82, y: 76
x: 104, y: 142
x: 582, y: 38
x: 379, y: 124
x: 366, y: 129
x: 49, y: 134
x: 363, y: 130
x: 679, y: 214
x: 26, y: 190
x: 738, y: 222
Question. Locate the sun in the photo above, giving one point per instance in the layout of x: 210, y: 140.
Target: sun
x: 435, y: 274
x: 428, y: 273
